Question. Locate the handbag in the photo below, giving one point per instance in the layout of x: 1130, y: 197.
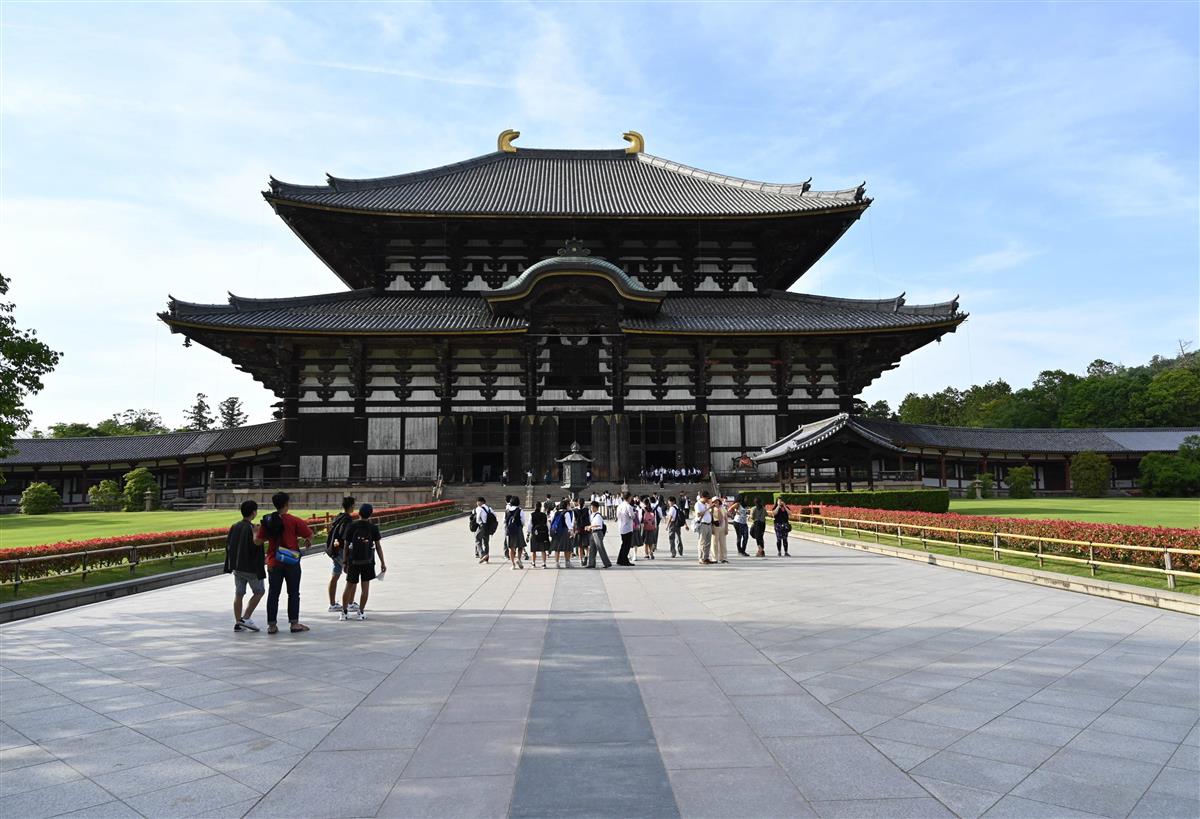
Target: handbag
x: 288, y: 557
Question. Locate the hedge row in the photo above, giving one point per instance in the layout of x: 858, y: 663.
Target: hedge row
x: 69, y: 555
x: 913, y: 500
x: 1155, y: 537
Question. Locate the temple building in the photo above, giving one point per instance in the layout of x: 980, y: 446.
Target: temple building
x: 499, y: 309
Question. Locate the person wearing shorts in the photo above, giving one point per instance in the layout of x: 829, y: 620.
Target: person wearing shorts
x: 361, y: 536
x: 337, y: 533
x: 245, y: 560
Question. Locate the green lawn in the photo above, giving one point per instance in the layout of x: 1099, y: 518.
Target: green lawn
x: 33, y: 530
x: 1185, y: 585
x: 1183, y: 513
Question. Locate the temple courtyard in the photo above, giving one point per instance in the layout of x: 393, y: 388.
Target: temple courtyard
x: 834, y: 683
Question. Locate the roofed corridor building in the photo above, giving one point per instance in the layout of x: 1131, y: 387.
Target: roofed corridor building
x: 504, y: 307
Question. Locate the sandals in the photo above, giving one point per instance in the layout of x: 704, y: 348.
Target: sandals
x: 298, y: 627
x: 272, y: 628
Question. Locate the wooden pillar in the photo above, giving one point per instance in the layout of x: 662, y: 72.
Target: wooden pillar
x: 358, y: 429
x: 807, y: 477
x: 850, y: 477
x: 1068, y: 471
x: 84, y: 482
x: 180, y: 480
x: 680, y: 438
x: 701, y: 379
x: 942, y: 469
x: 870, y: 474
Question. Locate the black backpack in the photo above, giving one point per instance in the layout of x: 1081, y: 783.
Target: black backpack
x: 361, y: 541
x: 337, y: 532
x: 272, y: 524
x: 492, y: 523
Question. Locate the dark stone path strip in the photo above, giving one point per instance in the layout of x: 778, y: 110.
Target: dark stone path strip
x: 589, y: 748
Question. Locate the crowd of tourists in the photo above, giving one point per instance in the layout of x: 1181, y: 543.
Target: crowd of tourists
x: 570, y: 528
x: 662, y: 475
x: 575, y: 528
x: 270, y: 551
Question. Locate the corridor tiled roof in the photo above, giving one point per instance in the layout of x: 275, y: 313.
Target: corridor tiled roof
x: 364, y: 311
x: 134, y: 448
x: 1052, y: 441
x: 546, y: 182
x: 812, y: 435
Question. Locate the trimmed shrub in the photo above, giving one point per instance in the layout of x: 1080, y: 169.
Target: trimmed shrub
x: 979, y: 529
x: 40, y: 499
x: 1162, y: 474
x: 105, y: 552
x: 106, y: 496
x: 1091, y: 474
x: 137, y: 483
x: 751, y: 496
x: 914, y: 500
x: 986, y: 484
x: 1020, y: 482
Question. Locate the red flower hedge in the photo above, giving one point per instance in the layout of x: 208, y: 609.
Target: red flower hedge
x: 1155, y: 537
x: 69, y: 555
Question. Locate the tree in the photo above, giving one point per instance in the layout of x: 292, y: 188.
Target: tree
x: 1020, y: 482
x: 199, y: 415
x: 230, y: 412
x: 1163, y: 474
x: 1172, y: 398
x: 880, y: 410
x: 40, y: 499
x: 133, y: 422
x: 942, y: 408
x: 105, y: 496
x: 1091, y: 473
x: 23, y: 361
x: 74, y: 429
x: 137, y: 483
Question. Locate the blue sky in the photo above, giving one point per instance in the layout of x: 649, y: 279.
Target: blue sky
x: 1038, y: 159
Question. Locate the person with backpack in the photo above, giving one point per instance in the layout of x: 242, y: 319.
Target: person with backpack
x: 562, y: 526
x: 539, y: 532
x: 362, y: 543
x: 580, y: 536
x: 758, y: 525
x: 483, y: 525
x: 596, y: 529
x: 244, y: 558
x: 675, y: 523
x: 514, y: 535
x: 335, y: 542
x: 649, y: 527
x: 284, y: 532
x: 783, y: 525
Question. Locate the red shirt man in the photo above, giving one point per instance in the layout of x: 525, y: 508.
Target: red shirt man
x: 294, y: 530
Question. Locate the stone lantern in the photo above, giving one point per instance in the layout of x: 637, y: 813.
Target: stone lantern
x: 575, y: 467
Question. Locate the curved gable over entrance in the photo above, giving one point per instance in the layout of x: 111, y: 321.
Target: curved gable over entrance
x: 576, y: 282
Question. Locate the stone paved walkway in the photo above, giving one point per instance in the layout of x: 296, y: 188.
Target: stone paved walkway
x: 832, y: 684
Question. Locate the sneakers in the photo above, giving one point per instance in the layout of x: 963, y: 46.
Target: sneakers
x: 353, y: 606
x: 238, y: 627
x: 249, y: 624
x: 343, y: 617
x: 334, y: 607
x: 362, y: 615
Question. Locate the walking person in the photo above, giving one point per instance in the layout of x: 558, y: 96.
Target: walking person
x: 284, y: 533
x: 704, y: 521
x: 539, y: 533
x: 580, y: 535
x: 362, y: 544
x: 738, y: 516
x: 625, y: 526
x: 649, y: 526
x: 596, y: 529
x: 514, y: 536
x: 335, y: 541
x: 758, y: 525
x: 483, y: 524
x: 783, y: 525
x: 720, y: 529
x: 244, y: 558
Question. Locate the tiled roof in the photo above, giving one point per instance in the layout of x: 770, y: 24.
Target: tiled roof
x: 131, y: 448
x: 363, y: 311
x: 539, y: 182
x: 809, y: 436
x: 1050, y: 441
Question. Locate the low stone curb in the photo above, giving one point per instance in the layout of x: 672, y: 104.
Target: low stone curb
x: 47, y: 604
x: 1161, y: 599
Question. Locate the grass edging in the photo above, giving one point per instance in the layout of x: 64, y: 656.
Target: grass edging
x: 1156, y: 598
x: 59, y: 601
